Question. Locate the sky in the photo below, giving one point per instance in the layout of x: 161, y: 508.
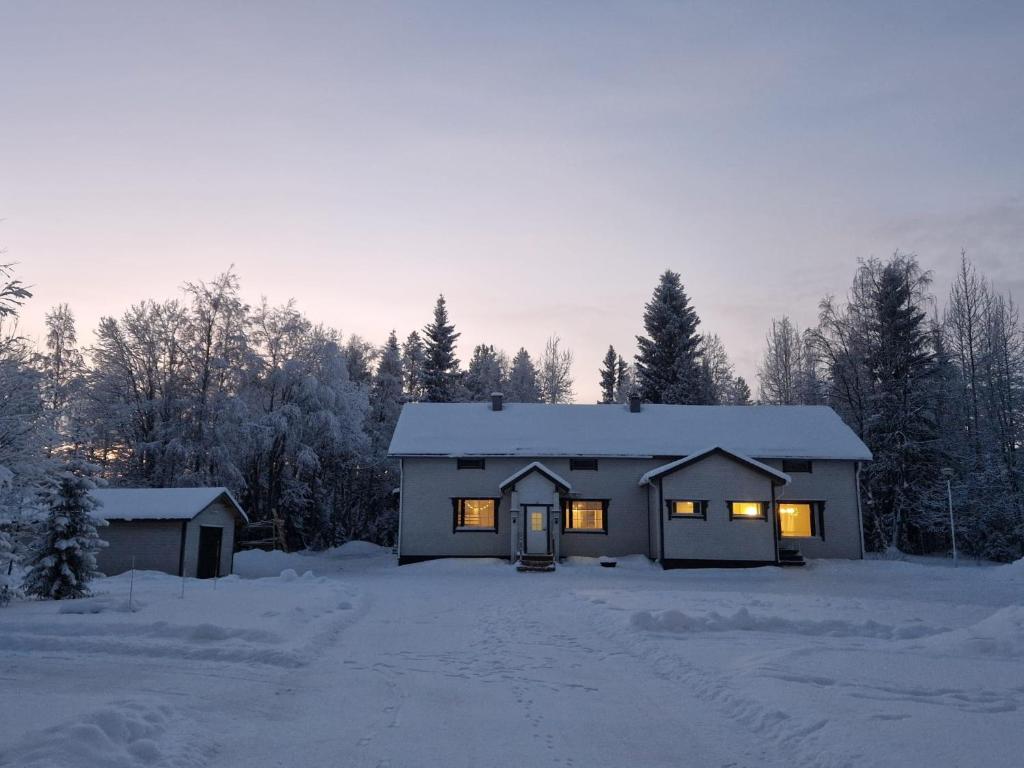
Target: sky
x: 538, y: 163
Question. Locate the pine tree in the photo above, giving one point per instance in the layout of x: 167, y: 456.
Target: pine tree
x: 385, y: 396
x: 609, y: 375
x: 740, y: 392
x: 523, y: 385
x: 64, y: 558
x: 440, y: 366
x: 667, y: 364
x: 486, y: 373
x: 413, y: 357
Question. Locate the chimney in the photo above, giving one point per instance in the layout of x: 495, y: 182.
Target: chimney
x: 634, y: 403
x: 496, y: 398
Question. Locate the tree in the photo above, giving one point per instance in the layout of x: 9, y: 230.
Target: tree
x: 385, y: 397
x: 716, y: 371
x: 740, y: 392
x: 667, y: 364
x: 63, y: 561
x: 13, y: 292
x: 523, y: 384
x: 625, y: 381
x: 440, y: 365
x: 780, y: 369
x: 63, y: 369
x: 609, y: 375
x: 413, y: 358
x: 487, y: 372
x: 556, y: 383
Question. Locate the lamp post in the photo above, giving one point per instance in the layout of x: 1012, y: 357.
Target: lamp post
x: 948, y: 474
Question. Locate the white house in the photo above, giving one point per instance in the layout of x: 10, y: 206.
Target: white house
x: 683, y: 485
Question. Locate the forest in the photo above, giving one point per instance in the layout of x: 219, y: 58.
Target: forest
x: 295, y: 417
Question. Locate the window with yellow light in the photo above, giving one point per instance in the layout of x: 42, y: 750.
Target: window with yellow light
x: 796, y: 519
x: 746, y: 510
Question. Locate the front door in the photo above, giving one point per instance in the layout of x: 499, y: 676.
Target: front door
x: 537, y: 530
x: 210, y: 538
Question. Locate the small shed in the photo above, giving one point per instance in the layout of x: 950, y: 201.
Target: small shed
x: 181, y: 531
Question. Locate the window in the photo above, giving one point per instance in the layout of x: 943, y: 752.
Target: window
x: 747, y: 510
x: 476, y: 514
x: 697, y: 510
x: 469, y: 463
x: 797, y: 465
x: 577, y: 465
x: 798, y: 519
x: 586, y: 516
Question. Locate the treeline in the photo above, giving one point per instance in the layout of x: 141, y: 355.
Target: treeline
x: 296, y: 418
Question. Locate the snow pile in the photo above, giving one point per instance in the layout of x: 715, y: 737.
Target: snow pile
x: 1001, y: 635
x: 1012, y: 572
x: 743, y: 620
x: 125, y: 735
x: 358, y: 549
x: 101, y: 604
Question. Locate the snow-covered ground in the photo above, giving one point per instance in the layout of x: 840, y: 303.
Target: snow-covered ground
x: 343, y: 659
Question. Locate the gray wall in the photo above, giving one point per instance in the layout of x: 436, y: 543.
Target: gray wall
x: 428, y: 485
x: 835, y: 483
x: 155, y: 544
x: 718, y: 479
x: 217, y: 514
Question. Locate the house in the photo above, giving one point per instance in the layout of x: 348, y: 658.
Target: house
x: 181, y: 531
x: 683, y: 485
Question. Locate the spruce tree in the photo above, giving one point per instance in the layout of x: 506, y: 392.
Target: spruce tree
x: 64, y: 557
x: 609, y: 375
x: 668, y: 365
x: 385, y: 396
x: 440, y: 365
x: 740, y: 392
x: 523, y: 384
x: 486, y: 373
x: 625, y: 381
x: 413, y: 357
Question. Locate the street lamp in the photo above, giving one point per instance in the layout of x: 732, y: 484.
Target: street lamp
x: 948, y: 474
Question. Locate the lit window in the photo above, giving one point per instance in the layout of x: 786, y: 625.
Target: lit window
x: 796, y: 519
x: 678, y: 508
x: 476, y: 514
x: 536, y: 521
x: 746, y: 510
x: 586, y: 516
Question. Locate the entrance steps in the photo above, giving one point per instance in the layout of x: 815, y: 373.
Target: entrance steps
x: 790, y: 557
x: 535, y: 563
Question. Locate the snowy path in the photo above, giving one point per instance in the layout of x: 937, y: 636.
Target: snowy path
x: 469, y: 663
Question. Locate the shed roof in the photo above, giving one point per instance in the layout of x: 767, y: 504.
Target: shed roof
x: 159, y: 503
x: 536, y: 430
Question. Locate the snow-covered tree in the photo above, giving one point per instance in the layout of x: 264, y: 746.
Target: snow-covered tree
x: 555, y: 379
x: 413, y: 358
x: 716, y: 371
x: 440, y: 365
x: 740, y: 394
x: 63, y: 370
x: 523, y: 384
x: 609, y: 375
x: 63, y: 560
x: 386, y: 396
x: 625, y: 381
x: 487, y: 372
x: 668, y: 361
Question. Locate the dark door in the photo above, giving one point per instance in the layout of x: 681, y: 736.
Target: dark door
x: 210, y: 538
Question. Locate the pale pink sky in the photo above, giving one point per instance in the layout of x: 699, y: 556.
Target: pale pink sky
x: 540, y: 165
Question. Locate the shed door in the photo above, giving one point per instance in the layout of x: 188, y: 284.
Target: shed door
x: 537, y: 530
x: 210, y: 538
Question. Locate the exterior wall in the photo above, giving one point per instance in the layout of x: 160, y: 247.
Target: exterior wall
x: 428, y: 485
x: 635, y: 513
x: 155, y: 544
x: 835, y: 483
x: 217, y: 514
x: 718, y: 480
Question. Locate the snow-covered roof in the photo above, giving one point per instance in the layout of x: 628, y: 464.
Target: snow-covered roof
x: 520, y: 429
x: 535, y: 466
x: 672, y: 466
x: 158, y: 503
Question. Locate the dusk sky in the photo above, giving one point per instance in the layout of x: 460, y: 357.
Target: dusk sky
x: 540, y: 164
